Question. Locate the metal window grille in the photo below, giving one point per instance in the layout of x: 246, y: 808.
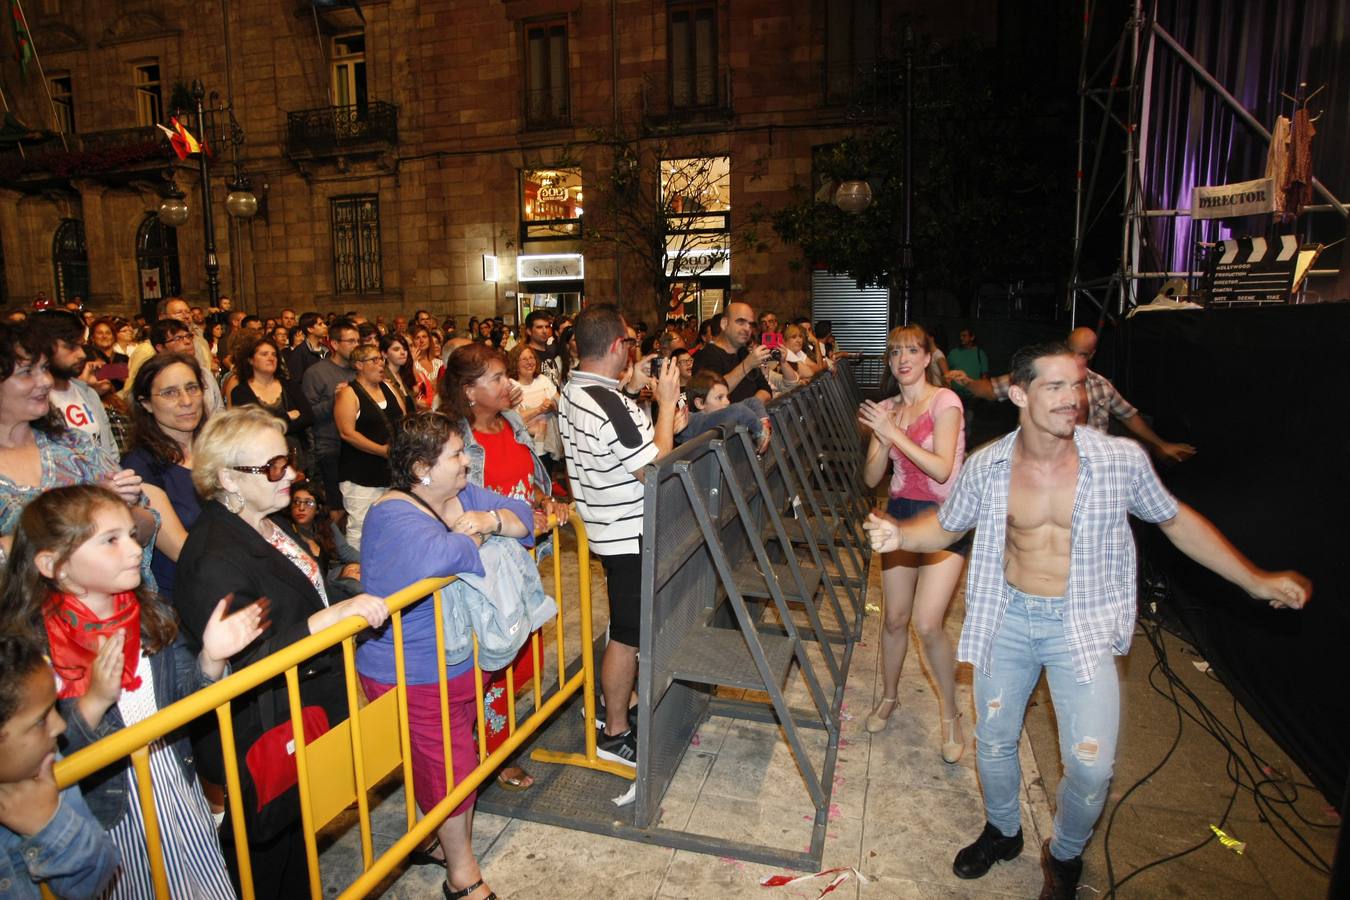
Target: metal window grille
x: 70, y: 261
x: 357, y: 265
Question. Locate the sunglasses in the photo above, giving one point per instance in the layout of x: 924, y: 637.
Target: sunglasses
x: 275, y: 468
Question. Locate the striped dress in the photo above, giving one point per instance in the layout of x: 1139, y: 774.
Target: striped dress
x: 192, y: 857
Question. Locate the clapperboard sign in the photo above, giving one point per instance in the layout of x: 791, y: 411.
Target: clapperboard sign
x: 1255, y: 271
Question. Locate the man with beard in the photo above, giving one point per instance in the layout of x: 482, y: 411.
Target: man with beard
x: 64, y: 335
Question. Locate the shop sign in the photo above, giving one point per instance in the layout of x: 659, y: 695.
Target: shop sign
x: 699, y: 263
x: 550, y: 267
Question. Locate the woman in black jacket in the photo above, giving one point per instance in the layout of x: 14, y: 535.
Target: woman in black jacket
x: 242, y: 468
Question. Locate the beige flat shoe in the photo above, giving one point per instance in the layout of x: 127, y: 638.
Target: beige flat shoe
x: 876, y: 722
x: 953, y: 748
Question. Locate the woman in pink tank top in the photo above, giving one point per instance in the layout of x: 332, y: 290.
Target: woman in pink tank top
x: 920, y: 435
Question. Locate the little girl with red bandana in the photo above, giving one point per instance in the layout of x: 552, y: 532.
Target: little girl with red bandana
x: 74, y: 578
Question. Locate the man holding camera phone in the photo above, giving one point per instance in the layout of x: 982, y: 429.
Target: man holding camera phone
x: 731, y: 356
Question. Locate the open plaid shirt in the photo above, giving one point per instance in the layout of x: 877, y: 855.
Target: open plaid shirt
x: 1115, y: 477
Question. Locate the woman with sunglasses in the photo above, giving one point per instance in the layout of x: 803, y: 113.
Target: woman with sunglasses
x: 367, y: 414
x: 166, y: 414
x: 308, y: 523
x: 241, y: 468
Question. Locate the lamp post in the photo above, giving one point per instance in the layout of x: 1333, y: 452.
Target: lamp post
x: 212, y: 264
x: 240, y: 203
x: 855, y: 195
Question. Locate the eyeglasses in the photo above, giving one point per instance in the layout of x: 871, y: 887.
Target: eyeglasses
x: 183, y: 338
x: 306, y: 503
x: 173, y: 394
x: 275, y: 468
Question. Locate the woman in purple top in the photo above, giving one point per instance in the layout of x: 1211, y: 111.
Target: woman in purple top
x: 430, y: 525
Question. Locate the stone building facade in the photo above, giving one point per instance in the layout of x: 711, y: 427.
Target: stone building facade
x: 396, y: 146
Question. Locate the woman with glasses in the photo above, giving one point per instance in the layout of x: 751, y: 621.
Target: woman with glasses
x: 307, y: 521
x: 241, y: 468
x: 367, y: 414
x: 167, y: 413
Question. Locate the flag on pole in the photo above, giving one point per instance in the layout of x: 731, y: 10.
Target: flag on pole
x: 23, y: 42
x: 184, y: 144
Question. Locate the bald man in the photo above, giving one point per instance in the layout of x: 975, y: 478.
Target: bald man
x: 1103, y: 400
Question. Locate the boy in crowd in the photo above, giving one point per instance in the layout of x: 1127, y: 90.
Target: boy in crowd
x: 48, y: 836
x: 710, y: 406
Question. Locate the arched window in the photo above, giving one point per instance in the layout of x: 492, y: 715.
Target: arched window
x: 70, y: 262
x: 157, y: 262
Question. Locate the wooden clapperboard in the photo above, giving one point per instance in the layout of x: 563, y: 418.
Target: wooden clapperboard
x: 1255, y: 271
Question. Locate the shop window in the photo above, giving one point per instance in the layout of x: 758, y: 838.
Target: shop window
x: 63, y: 101
x: 696, y: 197
x: 693, y: 54
x: 550, y: 204
x: 357, y: 266
x: 70, y: 261
x: 149, y: 94
x: 851, y: 31
x: 157, y: 261
x: 546, y: 81
x: 349, y: 70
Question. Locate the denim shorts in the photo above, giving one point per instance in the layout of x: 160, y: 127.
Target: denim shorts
x: 904, y: 508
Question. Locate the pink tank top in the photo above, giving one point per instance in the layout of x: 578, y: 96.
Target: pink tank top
x: 907, y: 479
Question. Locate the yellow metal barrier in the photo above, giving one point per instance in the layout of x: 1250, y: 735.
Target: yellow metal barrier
x: 339, y: 768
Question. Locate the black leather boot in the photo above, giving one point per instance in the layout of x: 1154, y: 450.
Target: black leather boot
x: 1061, y: 876
x: 990, y: 847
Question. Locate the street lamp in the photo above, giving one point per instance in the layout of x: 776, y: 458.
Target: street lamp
x: 173, y: 211
x: 853, y: 196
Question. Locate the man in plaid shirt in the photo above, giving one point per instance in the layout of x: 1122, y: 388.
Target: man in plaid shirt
x: 1103, y: 400
x: 1051, y: 585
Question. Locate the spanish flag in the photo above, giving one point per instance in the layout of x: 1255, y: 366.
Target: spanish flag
x: 184, y: 144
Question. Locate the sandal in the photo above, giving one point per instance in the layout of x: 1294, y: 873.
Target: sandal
x: 464, y: 892
x: 876, y: 722
x: 424, y: 856
x: 508, y: 781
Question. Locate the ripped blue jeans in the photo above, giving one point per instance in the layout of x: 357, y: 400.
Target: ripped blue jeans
x: 1031, y: 638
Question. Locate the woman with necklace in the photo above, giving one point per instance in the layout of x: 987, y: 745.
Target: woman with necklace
x: 920, y: 435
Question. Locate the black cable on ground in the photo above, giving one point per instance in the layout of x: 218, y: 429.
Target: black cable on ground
x: 1236, y: 767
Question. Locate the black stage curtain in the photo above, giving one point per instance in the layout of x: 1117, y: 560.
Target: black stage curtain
x: 1262, y: 393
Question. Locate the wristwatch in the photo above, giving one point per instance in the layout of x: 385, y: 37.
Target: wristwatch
x: 498, y: 528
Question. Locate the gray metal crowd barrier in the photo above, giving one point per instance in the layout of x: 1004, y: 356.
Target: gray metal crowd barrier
x: 754, y: 572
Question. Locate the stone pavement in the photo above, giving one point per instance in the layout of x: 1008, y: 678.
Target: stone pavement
x: 898, y: 812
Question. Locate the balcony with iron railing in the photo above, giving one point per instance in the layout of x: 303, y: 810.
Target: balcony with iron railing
x: 876, y: 89
x: 341, y: 130
x: 547, y: 108
x: 113, y: 154
x: 687, y: 97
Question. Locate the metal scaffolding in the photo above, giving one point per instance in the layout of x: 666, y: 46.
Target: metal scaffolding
x: 1112, y: 92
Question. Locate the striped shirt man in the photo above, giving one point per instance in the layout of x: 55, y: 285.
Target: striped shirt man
x: 607, y: 440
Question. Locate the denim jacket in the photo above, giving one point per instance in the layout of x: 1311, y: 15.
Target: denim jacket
x: 478, y: 456
x: 72, y: 855
x: 503, y: 606
x: 108, y: 791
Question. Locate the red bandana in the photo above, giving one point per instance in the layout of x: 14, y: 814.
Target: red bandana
x: 73, y: 632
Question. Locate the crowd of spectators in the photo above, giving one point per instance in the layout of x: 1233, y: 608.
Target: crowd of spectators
x: 186, y: 495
